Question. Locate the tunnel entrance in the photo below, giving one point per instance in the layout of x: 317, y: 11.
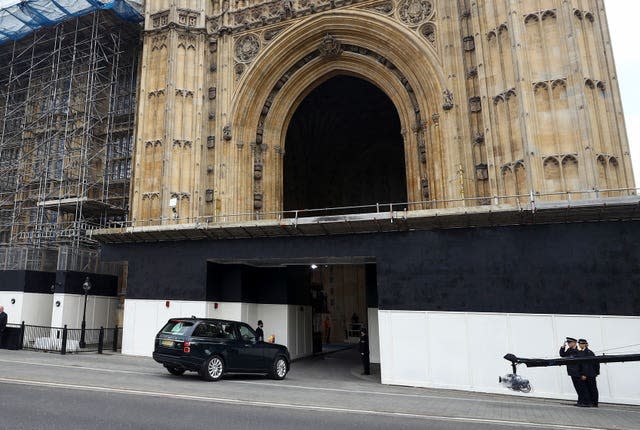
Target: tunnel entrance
x: 344, y: 148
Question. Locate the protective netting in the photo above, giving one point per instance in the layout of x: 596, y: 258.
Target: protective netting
x: 19, y: 18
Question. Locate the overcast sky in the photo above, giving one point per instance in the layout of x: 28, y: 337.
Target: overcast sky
x: 621, y: 15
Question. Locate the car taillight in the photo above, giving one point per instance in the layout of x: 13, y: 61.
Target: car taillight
x: 186, y: 347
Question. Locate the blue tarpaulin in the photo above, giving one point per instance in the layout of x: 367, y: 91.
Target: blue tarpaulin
x: 18, y: 18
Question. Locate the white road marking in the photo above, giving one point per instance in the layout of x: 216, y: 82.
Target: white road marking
x: 327, y: 389
x: 219, y: 400
x: 67, y: 366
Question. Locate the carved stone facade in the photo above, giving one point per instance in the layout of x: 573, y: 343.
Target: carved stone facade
x: 498, y: 100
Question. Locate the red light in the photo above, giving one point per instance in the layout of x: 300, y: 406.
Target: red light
x: 186, y: 347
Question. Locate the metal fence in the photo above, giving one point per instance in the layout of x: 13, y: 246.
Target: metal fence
x: 65, y: 340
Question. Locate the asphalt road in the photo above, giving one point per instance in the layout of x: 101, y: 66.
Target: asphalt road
x: 49, y: 391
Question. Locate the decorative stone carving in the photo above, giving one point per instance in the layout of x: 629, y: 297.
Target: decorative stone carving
x: 468, y: 43
x: 226, y: 132
x: 436, y: 119
x: 212, y: 93
x: 330, y: 47
x: 428, y: 30
x: 385, y: 8
x: 160, y: 19
x: 187, y: 18
x: 482, y: 173
x: 257, y: 201
x: 475, y: 104
x: 424, y: 184
x: 422, y: 149
x: 447, y: 103
x: 239, y: 70
x: 213, y: 44
x: 208, y: 195
x: 271, y: 33
x: 211, y: 142
x: 247, y: 47
x: 257, y: 171
x: 159, y: 42
x: 413, y: 12
x: 287, y: 7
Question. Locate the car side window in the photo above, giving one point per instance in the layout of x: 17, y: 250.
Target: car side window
x: 228, y: 331
x: 204, y: 330
x: 246, y: 334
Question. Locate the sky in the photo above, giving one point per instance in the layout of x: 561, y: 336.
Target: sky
x: 622, y: 16
x: 622, y: 19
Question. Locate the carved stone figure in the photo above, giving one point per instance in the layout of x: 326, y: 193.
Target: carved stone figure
x: 226, y: 132
x: 447, y: 103
x: 330, y: 47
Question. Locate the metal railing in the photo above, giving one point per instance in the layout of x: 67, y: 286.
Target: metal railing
x: 63, y: 339
x: 518, y: 201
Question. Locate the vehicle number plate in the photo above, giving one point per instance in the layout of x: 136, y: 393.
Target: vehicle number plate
x: 166, y: 342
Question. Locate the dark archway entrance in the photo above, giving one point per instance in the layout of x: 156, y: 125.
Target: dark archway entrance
x: 344, y: 148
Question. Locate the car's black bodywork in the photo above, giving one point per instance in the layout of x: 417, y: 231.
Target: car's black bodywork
x: 213, y: 347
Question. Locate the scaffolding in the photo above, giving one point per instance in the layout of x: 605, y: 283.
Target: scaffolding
x: 67, y: 98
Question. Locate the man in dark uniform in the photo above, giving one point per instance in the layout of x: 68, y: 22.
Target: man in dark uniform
x: 569, y: 350
x: 588, y: 372
x: 3, y: 325
x: 260, y: 332
x: 363, y: 348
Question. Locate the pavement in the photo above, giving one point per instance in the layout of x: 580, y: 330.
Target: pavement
x: 328, y: 383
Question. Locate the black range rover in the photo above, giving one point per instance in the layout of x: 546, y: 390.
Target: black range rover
x: 214, y: 347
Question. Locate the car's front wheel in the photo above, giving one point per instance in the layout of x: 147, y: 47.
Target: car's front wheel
x: 212, y: 369
x: 175, y: 370
x: 280, y: 368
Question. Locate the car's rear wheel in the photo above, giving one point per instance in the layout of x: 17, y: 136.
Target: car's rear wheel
x: 280, y: 368
x: 175, y: 370
x: 212, y: 369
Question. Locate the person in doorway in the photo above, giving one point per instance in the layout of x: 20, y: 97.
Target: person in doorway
x: 569, y: 349
x: 3, y: 325
x: 259, y: 332
x: 588, y: 372
x: 327, y: 329
x: 363, y: 348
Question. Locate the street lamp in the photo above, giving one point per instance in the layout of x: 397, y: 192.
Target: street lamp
x: 86, y: 286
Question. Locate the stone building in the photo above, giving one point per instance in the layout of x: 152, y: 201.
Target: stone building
x: 491, y: 102
x: 455, y: 173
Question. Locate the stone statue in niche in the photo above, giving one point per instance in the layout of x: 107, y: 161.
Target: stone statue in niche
x: 447, y: 103
x: 226, y: 132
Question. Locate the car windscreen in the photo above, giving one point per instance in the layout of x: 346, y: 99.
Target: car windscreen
x: 177, y: 327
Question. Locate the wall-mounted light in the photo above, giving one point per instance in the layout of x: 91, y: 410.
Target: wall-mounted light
x: 314, y: 266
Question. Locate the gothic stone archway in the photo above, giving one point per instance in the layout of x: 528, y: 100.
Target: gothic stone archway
x: 354, y: 43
